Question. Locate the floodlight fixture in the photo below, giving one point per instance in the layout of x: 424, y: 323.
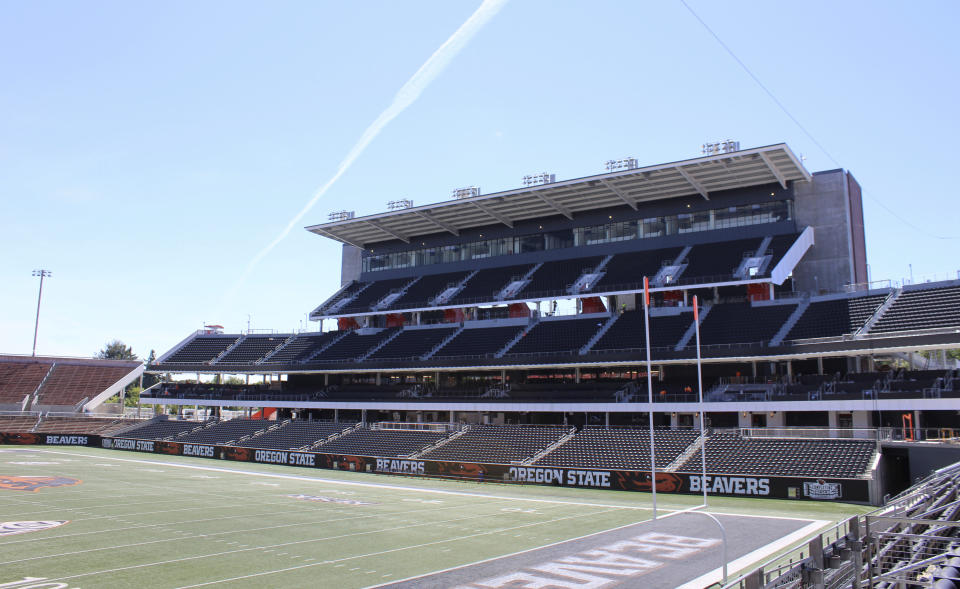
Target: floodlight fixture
x: 341, y: 215
x: 627, y: 163
x: 466, y: 192
x: 539, y: 179
x: 36, y: 326
x: 403, y: 203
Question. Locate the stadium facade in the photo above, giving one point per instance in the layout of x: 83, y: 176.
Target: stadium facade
x: 448, y: 311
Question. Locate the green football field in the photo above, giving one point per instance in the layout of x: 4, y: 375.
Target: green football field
x: 145, y: 520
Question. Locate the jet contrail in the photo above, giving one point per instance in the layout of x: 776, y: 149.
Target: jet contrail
x: 406, y: 96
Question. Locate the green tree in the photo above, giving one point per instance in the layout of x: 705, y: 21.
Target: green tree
x: 150, y: 379
x: 117, y: 350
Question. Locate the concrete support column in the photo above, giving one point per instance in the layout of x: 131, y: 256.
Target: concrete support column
x: 436, y: 379
x: 363, y: 416
x: 576, y: 374
x: 776, y: 419
x: 685, y: 300
x: 326, y: 380
x: 336, y: 415
x: 771, y: 292
x: 673, y: 420
x: 753, y: 365
x: 379, y: 379
x: 820, y: 365
x: 419, y: 416
x: 744, y: 419
x: 606, y: 420
x: 790, y: 369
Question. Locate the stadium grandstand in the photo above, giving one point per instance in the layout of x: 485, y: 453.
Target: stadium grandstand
x: 494, y: 332
x: 44, y: 383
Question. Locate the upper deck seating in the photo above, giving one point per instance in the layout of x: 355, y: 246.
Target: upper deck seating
x: 372, y: 294
x: 251, y: 349
x: 836, y: 317
x: 484, y: 341
x: 424, y: 290
x: 500, y: 444
x: 301, y: 347
x: 413, y: 343
x: 353, y: 346
x: 201, y: 349
x: 626, y: 271
x: 715, y: 262
x: 381, y: 442
x: 620, y: 448
x: 487, y: 283
x: 921, y: 309
x: 346, y: 293
x: 560, y: 335
x: 554, y: 278
x: 741, y: 323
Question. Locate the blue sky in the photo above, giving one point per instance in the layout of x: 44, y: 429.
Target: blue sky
x: 149, y: 151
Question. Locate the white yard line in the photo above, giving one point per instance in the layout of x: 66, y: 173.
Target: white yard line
x: 755, y: 556
x: 366, y: 485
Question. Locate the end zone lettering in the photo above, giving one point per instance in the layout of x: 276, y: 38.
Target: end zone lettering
x: 400, y: 466
x: 198, y: 450
x: 66, y: 440
x: 277, y: 457
x: 730, y: 485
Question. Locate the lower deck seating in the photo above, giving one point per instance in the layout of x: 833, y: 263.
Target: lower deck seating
x: 382, y: 442
x: 742, y: 323
x: 295, y: 435
x: 227, y: 432
x: 478, y: 342
x: 732, y: 453
x: 620, y: 448
x: 163, y: 429
x: 497, y: 443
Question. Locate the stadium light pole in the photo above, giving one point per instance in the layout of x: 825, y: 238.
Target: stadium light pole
x: 653, y: 455
x: 36, y: 325
x: 703, y: 438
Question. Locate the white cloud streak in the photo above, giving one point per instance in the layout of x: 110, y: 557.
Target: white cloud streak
x: 406, y: 96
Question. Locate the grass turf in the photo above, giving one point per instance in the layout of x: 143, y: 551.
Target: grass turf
x: 144, y: 520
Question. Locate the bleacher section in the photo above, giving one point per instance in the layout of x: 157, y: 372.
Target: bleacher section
x: 202, y: 349
x: 731, y: 453
x: 382, y: 442
x: 413, y: 343
x: 19, y: 379
x: 620, y: 448
x: 500, y: 444
x: 742, y: 323
x: 11, y: 423
x: 555, y: 278
x: 296, y: 434
x: 478, y: 342
x: 69, y: 384
x: 926, y: 308
x: 557, y: 336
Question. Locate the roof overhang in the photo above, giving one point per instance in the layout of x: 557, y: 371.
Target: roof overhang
x: 700, y: 176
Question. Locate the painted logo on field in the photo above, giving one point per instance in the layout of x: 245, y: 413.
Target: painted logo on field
x: 321, y: 499
x: 11, y: 528
x: 34, y: 484
x: 821, y: 489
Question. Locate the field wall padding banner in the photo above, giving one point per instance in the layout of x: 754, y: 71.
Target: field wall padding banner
x: 770, y: 487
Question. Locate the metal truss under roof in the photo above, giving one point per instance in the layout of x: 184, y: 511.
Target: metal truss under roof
x: 703, y: 176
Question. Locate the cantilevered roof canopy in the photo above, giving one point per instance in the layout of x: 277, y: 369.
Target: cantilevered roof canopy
x: 703, y: 176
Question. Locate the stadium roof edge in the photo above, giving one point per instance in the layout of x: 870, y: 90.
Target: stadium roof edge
x: 698, y: 176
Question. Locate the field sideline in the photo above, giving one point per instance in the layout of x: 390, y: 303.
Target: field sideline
x: 168, y: 521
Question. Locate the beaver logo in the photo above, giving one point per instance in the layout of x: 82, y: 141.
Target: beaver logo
x: 33, y: 484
